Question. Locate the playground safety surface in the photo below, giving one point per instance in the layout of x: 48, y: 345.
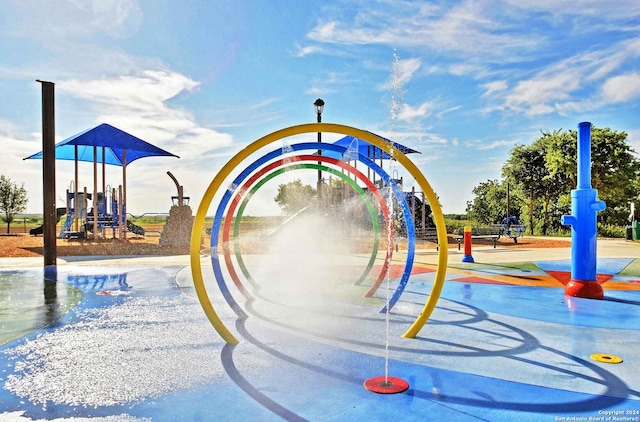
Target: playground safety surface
x: 503, y: 344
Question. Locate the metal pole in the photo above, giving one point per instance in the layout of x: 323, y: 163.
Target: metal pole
x: 424, y: 213
x: 123, y: 229
x: 508, y: 202
x: 95, y: 193
x: 319, y: 106
x: 75, y: 191
x: 49, y: 173
x: 319, y: 184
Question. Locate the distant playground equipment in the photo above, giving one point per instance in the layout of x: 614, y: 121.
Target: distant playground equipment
x: 60, y: 212
x: 510, y: 227
x: 177, y: 228
x: 222, y: 175
x: 81, y: 219
x: 103, y: 144
x: 583, y: 222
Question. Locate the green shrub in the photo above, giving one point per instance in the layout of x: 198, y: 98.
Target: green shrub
x: 610, y: 230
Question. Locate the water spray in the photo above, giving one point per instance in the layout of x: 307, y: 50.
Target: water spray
x: 223, y: 174
x: 387, y: 384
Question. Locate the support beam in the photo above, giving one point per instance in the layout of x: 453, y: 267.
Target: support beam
x: 49, y: 173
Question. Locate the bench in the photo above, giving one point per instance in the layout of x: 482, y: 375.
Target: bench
x: 492, y: 233
x: 429, y: 234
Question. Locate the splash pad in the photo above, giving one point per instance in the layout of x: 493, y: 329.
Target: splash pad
x: 385, y: 384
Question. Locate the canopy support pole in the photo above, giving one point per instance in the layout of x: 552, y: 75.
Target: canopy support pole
x: 75, y: 191
x: 95, y: 193
x: 123, y: 228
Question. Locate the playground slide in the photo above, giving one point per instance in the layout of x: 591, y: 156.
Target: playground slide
x: 40, y: 229
x: 285, y: 222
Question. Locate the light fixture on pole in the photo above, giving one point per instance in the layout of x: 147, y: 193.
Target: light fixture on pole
x: 319, y: 105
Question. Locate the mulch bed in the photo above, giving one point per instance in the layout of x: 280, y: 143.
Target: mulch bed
x: 24, y: 245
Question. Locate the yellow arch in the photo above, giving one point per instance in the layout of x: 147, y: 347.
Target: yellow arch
x: 198, y: 223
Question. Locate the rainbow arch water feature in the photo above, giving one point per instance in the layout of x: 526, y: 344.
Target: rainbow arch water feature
x: 235, y: 189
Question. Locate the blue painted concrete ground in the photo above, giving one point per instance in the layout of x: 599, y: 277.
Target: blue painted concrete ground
x: 138, y: 347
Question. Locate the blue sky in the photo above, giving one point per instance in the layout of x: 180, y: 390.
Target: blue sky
x: 202, y: 79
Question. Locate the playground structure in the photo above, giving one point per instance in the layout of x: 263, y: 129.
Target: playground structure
x: 177, y: 229
x: 104, y: 144
x: 88, y: 217
x: 80, y: 213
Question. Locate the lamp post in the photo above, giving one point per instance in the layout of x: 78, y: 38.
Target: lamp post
x: 319, y: 105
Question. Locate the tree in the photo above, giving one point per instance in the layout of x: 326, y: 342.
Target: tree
x: 527, y: 169
x: 294, y: 196
x: 13, y: 199
x: 490, y: 203
x: 614, y: 168
x: 545, y: 172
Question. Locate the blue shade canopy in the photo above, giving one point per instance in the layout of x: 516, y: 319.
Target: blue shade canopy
x: 114, y: 141
x: 356, y: 145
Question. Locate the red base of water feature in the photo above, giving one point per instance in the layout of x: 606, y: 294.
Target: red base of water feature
x: 585, y: 289
x: 386, y: 385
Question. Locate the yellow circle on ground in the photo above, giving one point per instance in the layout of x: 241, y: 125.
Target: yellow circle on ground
x: 606, y: 358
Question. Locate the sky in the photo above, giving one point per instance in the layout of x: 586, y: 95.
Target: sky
x: 462, y: 82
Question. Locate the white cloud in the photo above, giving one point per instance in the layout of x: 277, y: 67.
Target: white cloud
x: 307, y: 50
x: 402, y: 73
x: 602, y: 9
x: 634, y: 141
x: 118, y: 18
x: 462, y: 69
x: 494, y: 87
x: 151, y: 89
x: 410, y: 113
x: 484, y: 145
x: 406, y: 69
x: 448, y: 110
x: 621, y: 88
x: 573, y: 84
x: 470, y: 28
x: 138, y: 104
x: 329, y: 82
x: 58, y: 22
x: 537, y: 95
